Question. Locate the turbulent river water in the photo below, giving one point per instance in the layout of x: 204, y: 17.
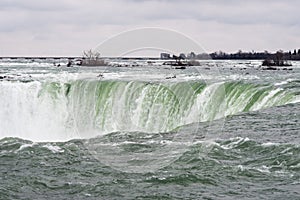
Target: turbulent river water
x: 221, y: 130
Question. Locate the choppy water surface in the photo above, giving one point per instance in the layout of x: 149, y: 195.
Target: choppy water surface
x: 223, y: 130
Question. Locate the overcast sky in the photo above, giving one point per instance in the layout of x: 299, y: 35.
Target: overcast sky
x: 67, y: 27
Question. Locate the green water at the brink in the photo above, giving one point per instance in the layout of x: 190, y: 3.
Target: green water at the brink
x: 223, y: 134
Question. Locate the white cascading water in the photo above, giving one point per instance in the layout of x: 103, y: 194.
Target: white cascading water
x: 23, y: 114
x: 83, y: 109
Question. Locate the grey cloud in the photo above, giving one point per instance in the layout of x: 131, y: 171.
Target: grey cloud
x: 47, y: 19
x: 34, y: 5
x: 89, y: 12
x: 231, y: 12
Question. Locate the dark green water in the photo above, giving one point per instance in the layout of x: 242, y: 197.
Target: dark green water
x: 255, y: 156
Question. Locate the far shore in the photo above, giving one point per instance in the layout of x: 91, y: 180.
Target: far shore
x: 218, y: 55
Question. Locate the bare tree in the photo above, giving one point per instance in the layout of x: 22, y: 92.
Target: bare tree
x: 91, y: 55
x: 92, y: 58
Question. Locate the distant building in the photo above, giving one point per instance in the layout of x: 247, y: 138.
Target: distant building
x: 165, y: 56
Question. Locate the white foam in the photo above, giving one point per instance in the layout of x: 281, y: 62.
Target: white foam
x: 53, y: 148
x: 263, y: 169
x: 234, y: 142
x: 268, y: 144
x: 284, y: 82
x: 24, y: 146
